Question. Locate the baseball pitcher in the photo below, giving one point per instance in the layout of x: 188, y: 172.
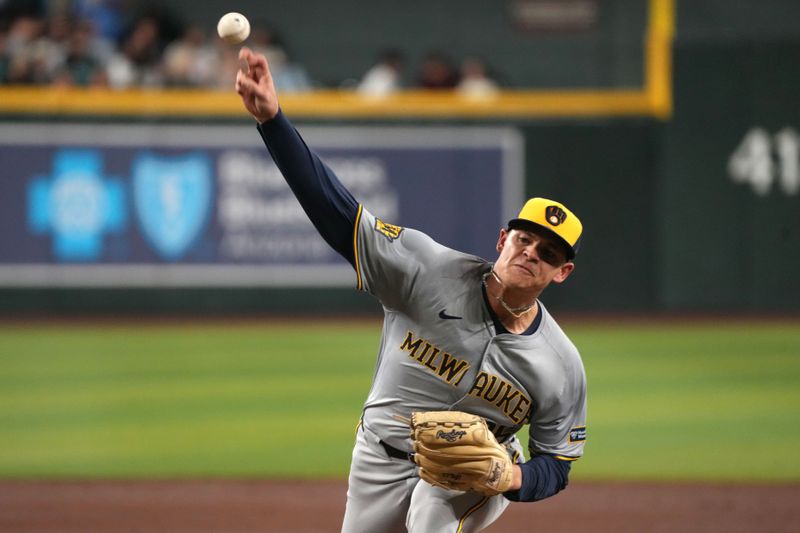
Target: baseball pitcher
x: 468, y: 355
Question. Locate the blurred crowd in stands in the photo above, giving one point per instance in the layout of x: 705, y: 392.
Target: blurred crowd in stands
x: 437, y: 72
x: 110, y: 43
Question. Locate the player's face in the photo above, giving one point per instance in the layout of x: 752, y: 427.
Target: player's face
x: 530, y: 260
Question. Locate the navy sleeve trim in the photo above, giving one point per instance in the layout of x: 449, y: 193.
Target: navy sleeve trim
x: 543, y: 476
x: 328, y: 204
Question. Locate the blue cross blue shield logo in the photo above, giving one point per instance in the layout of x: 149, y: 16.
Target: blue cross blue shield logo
x: 78, y: 204
x: 172, y: 199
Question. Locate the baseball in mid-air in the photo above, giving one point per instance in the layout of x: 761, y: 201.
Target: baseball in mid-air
x: 233, y: 28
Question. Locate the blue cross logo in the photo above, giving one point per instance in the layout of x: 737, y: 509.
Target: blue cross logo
x: 78, y: 205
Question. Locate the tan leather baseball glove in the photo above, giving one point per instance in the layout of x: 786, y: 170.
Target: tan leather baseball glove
x: 456, y: 451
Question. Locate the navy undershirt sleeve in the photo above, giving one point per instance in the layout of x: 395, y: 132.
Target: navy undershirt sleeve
x: 542, y: 477
x: 329, y: 205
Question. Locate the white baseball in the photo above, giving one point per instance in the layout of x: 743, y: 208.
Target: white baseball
x: 233, y: 28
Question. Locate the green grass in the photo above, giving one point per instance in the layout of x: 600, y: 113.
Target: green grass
x: 691, y: 402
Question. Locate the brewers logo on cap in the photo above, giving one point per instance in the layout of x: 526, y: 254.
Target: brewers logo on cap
x: 554, y: 217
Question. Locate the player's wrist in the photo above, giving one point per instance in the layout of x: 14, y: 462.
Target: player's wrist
x: 516, y: 478
x: 267, y: 115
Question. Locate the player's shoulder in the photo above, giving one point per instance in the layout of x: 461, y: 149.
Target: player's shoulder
x: 423, y: 247
x: 560, y: 372
x: 558, y: 339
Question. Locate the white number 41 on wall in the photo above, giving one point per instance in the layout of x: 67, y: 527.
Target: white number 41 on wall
x: 761, y: 159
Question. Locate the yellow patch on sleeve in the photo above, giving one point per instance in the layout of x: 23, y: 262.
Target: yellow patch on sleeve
x: 390, y: 231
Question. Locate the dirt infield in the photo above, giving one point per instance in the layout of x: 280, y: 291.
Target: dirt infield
x: 317, y: 506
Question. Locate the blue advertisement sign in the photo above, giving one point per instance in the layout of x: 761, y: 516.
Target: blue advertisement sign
x: 159, y: 205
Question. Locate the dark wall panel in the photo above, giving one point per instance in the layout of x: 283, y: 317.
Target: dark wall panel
x: 730, y: 243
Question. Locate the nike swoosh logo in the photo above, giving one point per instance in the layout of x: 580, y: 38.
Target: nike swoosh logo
x: 443, y: 314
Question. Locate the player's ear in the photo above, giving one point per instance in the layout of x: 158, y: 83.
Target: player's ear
x: 564, y: 271
x: 501, y: 240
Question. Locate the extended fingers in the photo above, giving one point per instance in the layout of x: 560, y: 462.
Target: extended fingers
x: 256, y: 63
x: 245, y: 54
x: 240, y: 79
x: 244, y: 84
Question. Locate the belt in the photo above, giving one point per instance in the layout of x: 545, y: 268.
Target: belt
x: 391, y: 451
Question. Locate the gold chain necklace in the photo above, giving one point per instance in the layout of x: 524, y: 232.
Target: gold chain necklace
x: 516, y: 312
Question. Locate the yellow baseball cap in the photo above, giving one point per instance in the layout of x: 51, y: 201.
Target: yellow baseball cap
x: 555, y: 218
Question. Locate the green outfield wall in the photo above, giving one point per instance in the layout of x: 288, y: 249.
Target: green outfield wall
x: 728, y: 192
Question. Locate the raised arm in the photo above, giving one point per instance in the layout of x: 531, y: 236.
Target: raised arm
x: 328, y: 204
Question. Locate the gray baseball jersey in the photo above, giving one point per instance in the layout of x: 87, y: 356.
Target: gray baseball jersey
x: 439, y: 349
